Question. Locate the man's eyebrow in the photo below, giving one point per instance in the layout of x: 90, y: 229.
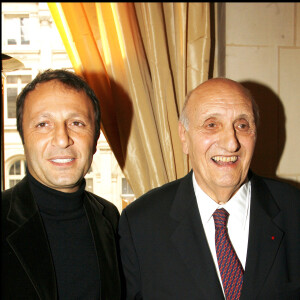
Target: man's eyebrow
x: 244, y: 116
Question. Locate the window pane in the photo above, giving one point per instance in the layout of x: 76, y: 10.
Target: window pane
x: 11, y: 102
x: 23, y: 167
x: 24, y: 42
x: 15, y: 169
x: 13, y: 182
x: 25, y: 78
x: 12, y: 79
x: 14, y: 30
x: 126, y: 189
x: 24, y: 22
x: 17, y: 165
x: 11, y: 42
x: 19, y: 31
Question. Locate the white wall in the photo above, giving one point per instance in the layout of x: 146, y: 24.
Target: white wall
x: 263, y: 49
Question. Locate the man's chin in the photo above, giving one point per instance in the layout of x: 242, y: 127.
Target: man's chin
x: 66, y: 185
x: 228, y: 182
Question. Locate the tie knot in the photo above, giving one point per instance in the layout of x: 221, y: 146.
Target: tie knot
x: 220, y: 217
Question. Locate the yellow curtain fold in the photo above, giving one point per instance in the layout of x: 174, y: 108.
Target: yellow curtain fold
x: 141, y: 59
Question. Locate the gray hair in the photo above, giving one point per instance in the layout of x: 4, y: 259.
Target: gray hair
x: 183, y: 118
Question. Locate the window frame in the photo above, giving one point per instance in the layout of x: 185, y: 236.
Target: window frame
x: 5, y: 33
x: 8, y: 166
x: 10, y: 123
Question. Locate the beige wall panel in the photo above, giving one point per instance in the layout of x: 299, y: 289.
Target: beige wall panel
x: 289, y: 83
x: 257, y: 69
x: 252, y: 63
x: 260, y: 23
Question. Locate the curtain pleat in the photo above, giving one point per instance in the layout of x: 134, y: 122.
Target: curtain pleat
x: 141, y: 59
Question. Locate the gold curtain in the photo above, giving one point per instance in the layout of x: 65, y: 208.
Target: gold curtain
x: 141, y: 59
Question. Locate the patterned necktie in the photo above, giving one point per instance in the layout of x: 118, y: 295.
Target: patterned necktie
x: 229, y: 265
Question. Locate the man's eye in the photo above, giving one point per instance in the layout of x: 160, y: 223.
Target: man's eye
x: 211, y: 125
x: 42, y: 124
x: 77, y: 123
x: 243, y: 126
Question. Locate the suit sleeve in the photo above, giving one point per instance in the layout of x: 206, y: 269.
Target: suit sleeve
x: 129, y: 260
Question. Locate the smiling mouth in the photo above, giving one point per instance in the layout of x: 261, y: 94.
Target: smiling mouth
x: 62, y: 160
x: 221, y: 160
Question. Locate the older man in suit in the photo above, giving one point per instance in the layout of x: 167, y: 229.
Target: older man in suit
x: 58, y: 240
x: 221, y: 231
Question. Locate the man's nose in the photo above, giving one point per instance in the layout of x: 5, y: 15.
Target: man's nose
x: 61, y: 136
x: 228, y: 140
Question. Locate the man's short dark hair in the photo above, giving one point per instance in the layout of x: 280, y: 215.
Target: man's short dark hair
x: 67, y: 78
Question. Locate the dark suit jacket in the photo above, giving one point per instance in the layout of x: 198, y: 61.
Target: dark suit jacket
x: 166, y: 256
x: 27, y: 270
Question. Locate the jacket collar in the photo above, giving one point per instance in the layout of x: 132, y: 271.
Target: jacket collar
x: 23, y: 206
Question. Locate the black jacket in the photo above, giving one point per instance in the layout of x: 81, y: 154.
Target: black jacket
x: 27, y: 270
x: 166, y: 256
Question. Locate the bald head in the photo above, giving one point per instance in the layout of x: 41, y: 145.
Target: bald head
x: 214, y: 89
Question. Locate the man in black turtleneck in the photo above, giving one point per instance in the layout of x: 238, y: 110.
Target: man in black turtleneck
x: 58, y: 240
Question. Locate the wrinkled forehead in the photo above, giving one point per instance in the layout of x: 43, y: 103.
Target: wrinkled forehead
x: 220, y: 96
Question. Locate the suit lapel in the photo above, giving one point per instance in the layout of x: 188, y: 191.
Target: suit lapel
x: 265, y: 238
x: 189, y: 239
x: 29, y: 241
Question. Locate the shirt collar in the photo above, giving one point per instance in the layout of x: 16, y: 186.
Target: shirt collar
x: 237, y: 206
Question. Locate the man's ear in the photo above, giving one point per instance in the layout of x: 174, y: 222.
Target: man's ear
x: 183, y: 138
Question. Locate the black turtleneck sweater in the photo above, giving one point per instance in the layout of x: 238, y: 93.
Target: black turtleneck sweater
x: 71, y: 241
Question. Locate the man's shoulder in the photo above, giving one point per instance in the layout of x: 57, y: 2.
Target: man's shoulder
x: 19, y: 189
x: 284, y: 192
x: 6, y: 195
x: 5, y: 202
x: 157, y: 198
x: 280, y: 185
x: 10, y: 207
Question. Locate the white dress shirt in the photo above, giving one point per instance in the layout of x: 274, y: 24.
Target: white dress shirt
x: 238, y: 208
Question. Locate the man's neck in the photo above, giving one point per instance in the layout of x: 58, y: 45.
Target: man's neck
x: 219, y: 194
